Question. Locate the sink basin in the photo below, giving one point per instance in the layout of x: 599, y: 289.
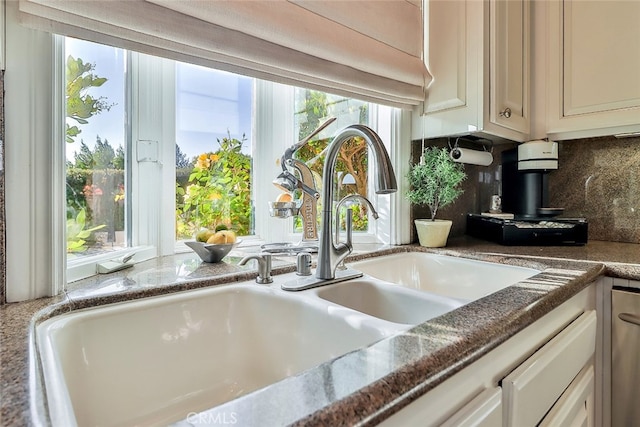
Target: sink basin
x: 444, y: 275
x: 155, y: 360
x: 388, y: 302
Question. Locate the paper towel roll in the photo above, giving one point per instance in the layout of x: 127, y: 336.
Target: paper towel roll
x: 472, y: 157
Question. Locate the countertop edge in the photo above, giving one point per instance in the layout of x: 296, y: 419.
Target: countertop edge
x: 402, y: 387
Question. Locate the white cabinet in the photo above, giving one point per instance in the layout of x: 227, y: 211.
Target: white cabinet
x: 509, y: 23
x: 478, y: 54
x: 593, y: 73
x: 535, y: 376
x: 531, y: 390
x: 483, y: 411
x: 576, y: 405
x: 576, y: 75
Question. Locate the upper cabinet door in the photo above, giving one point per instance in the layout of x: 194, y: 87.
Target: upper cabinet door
x: 478, y: 54
x: 594, y: 68
x: 446, y: 50
x: 509, y: 51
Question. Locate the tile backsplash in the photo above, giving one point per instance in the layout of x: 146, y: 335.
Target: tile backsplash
x: 597, y: 178
x: 480, y: 185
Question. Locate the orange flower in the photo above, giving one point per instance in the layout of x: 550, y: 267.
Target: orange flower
x: 214, y: 157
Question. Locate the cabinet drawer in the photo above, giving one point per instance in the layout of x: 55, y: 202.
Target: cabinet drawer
x: 575, y: 407
x: 485, y: 410
x: 532, y: 388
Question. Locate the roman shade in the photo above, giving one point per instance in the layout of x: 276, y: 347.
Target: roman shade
x: 367, y: 49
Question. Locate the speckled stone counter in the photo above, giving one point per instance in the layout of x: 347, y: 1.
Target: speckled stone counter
x: 622, y: 260
x: 341, y: 391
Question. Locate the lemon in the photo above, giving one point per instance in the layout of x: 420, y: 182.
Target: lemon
x: 231, y: 236
x: 203, y: 235
x: 222, y: 237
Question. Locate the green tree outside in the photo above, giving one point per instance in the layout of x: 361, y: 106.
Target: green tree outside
x: 81, y: 106
x: 218, y: 191
x: 311, y: 110
x: 95, y: 180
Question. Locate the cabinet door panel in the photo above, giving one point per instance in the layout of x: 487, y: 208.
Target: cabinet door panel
x: 466, y: 95
x: 575, y: 406
x: 447, y: 55
x: 531, y: 390
x: 593, y: 70
x: 601, y: 56
x: 510, y: 64
x: 483, y: 411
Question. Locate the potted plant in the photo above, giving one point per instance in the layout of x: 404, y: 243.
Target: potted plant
x: 435, y: 182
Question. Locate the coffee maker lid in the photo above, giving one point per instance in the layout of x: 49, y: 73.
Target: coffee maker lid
x: 538, y: 155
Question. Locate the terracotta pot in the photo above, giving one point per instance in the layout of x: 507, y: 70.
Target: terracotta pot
x: 433, y: 234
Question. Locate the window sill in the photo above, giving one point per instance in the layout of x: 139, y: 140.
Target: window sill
x: 84, y: 267
x: 183, y: 271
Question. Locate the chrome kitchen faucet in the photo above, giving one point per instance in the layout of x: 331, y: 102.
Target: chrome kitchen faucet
x: 331, y: 253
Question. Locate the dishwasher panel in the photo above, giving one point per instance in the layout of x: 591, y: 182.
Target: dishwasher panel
x: 625, y: 358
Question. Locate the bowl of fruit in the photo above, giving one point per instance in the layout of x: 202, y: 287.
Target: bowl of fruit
x: 213, y: 245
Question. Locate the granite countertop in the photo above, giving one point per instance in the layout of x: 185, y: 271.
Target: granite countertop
x: 622, y: 260
x: 340, y: 391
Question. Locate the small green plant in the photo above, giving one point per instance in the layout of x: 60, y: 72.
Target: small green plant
x: 435, y: 180
x: 77, y: 235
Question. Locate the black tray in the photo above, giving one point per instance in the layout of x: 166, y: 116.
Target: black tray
x: 542, y: 232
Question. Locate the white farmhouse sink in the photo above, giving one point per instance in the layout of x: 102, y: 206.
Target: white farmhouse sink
x: 153, y: 361
x: 444, y: 275
x: 388, y: 302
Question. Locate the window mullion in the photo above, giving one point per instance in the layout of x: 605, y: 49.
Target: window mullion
x: 146, y: 155
x: 58, y: 193
x: 273, y: 134
x: 400, y: 151
x: 167, y: 231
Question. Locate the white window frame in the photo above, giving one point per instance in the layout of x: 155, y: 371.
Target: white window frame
x: 274, y: 119
x: 35, y: 245
x: 150, y: 135
x: 34, y: 148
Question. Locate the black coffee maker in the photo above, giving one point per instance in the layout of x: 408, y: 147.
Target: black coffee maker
x: 525, y: 187
x: 525, y: 195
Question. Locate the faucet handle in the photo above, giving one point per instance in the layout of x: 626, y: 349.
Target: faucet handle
x: 303, y: 264
x: 264, y: 266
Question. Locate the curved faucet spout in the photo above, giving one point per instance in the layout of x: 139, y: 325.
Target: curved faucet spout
x: 330, y: 253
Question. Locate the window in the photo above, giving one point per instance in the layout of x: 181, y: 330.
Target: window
x: 213, y: 151
x: 35, y: 173
x: 215, y: 164
x: 95, y: 143
x: 198, y: 126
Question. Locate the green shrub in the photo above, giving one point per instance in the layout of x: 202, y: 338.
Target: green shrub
x: 218, y: 191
